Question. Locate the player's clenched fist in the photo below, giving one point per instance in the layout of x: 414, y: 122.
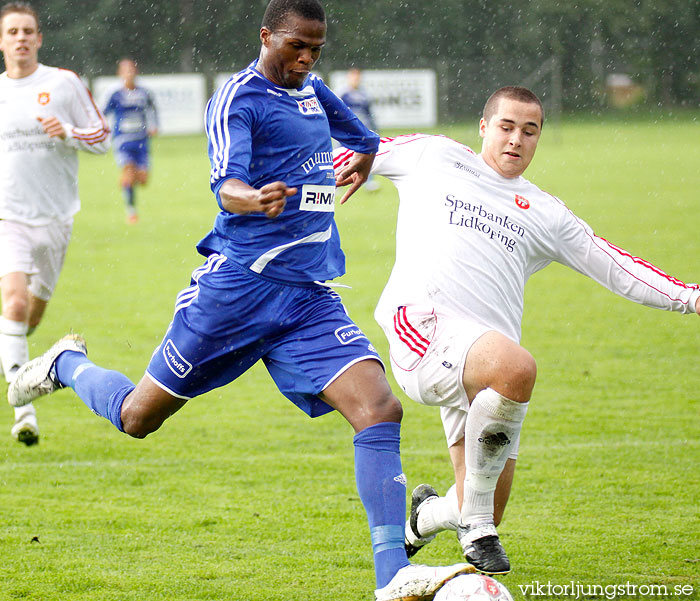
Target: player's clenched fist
x: 53, y: 127
x: 240, y: 198
x: 273, y: 198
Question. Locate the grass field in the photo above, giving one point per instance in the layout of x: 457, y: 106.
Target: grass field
x: 241, y: 496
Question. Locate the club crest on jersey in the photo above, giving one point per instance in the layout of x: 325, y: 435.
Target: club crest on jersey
x: 317, y: 198
x: 347, y: 334
x: 309, y: 106
x: 175, y: 361
x: 522, y: 202
x: 44, y: 98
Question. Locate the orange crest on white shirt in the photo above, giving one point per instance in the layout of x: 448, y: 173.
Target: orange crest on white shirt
x: 44, y: 98
x: 522, y: 202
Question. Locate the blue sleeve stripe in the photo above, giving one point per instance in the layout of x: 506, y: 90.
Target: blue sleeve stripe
x: 218, y: 132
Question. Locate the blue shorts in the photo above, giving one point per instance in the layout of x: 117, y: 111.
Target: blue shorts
x: 229, y: 318
x: 134, y: 152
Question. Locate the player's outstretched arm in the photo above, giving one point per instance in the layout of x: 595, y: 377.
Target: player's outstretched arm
x: 240, y: 198
x: 354, y: 173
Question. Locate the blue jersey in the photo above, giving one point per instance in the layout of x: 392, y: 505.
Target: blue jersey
x: 261, y: 133
x: 134, y: 114
x: 358, y: 102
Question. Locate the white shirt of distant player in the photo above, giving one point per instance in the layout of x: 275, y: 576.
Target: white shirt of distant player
x: 468, y: 239
x: 38, y: 174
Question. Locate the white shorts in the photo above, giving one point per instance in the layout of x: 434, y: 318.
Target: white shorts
x: 38, y: 251
x: 428, y: 351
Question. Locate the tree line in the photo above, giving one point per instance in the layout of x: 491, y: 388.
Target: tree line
x: 474, y: 45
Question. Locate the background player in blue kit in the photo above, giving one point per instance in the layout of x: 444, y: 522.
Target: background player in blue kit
x: 135, y: 121
x: 259, y: 295
x: 359, y: 102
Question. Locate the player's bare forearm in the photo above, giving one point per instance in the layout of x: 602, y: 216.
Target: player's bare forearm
x: 697, y: 305
x: 354, y: 173
x: 240, y: 198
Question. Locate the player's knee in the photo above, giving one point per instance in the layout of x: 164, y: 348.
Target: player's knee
x: 524, y: 371
x: 387, y: 409
x: 16, y: 307
x: 138, y: 425
x: 513, y: 374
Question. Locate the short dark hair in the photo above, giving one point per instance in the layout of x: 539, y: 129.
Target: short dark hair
x: 277, y: 11
x: 20, y: 7
x: 518, y: 93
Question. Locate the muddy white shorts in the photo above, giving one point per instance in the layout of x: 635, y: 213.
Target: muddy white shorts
x: 428, y: 351
x: 38, y: 251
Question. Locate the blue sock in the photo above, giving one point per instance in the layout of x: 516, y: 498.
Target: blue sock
x: 102, y: 390
x: 128, y: 196
x: 382, y: 487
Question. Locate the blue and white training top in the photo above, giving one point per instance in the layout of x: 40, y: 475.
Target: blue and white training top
x: 260, y: 133
x: 134, y: 114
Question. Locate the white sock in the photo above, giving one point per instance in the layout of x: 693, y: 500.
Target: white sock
x: 439, y: 513
x: 493, y: 426
x: 14, y: 350
x: 22, y: 412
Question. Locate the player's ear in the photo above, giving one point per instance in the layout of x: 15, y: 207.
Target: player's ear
x: 482, y: 127
x: 265, y: 34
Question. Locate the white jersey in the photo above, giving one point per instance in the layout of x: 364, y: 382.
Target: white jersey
x: 39, y: 174
x: 468, y: 239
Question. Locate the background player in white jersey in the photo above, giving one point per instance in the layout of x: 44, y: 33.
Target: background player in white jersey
x: 135, y: 122
x: 470, y: 232
x: 46, y: 115
x: 259, y: 294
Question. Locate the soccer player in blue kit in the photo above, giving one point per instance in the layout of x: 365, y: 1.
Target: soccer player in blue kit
x: 135, y: 121
x: 260, y: 295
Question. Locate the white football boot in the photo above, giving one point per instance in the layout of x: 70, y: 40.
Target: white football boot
x: 418, y: 583
x: 34, y: 378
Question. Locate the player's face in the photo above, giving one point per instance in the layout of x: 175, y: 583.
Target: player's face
x: 20, y: 40
x: 511, y: 136
x: 127, y: 71
x: 289, y: 53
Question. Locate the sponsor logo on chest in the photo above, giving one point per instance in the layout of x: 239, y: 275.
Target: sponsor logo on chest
x: 317, y: 198
x: 309, y: 106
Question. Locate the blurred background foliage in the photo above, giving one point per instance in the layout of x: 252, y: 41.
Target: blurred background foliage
x: 474, y: 45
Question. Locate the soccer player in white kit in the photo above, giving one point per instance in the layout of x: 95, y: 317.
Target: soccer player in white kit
x: 470, y: 232
x: 46, y: 115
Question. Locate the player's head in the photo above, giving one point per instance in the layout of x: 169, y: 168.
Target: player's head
x: 511, y: 126
x: 20, y: 35
x: 127, y: 70
x: 354, y: 78
x: 292, y: 35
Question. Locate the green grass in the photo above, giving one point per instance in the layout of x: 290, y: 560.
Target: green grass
x: 240, y: 496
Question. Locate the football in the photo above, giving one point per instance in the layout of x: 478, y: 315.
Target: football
x: 473, y: 587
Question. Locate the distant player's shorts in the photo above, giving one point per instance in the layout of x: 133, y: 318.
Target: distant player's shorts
x: 428, y: 352
x: 132, y: 153
x: 229, y: 318
x: 38, y: 251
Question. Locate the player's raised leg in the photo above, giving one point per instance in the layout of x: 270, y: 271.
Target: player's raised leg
x: 499, y: 376
x: 136, y: 410
x: 362, y: 395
